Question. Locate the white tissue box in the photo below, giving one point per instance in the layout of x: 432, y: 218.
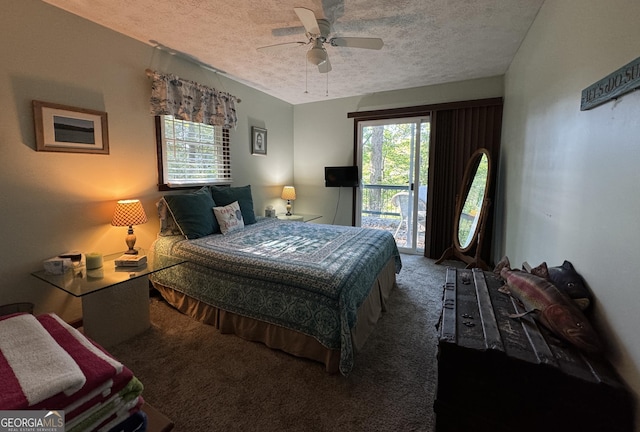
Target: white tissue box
x: 57, y: 266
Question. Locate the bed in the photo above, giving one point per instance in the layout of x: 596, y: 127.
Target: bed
x: 312, y: 290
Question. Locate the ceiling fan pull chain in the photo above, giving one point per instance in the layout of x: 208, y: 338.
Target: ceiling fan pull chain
x: 327, y: 85
x: 306, y: 77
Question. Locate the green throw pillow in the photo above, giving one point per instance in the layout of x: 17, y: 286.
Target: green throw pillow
x: 193, y: 212
x: 226, y: 195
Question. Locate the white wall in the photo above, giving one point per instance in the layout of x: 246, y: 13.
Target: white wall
x: 54, y: 202
x: 323, y: 136
x: 569, y: 178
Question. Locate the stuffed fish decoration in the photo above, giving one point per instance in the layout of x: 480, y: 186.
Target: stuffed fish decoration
x: 550, y: 307
x: 568, y: 281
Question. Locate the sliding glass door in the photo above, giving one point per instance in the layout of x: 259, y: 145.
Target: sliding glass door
x: 393, y: 156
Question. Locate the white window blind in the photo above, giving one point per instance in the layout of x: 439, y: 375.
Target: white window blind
x: 193, y: 153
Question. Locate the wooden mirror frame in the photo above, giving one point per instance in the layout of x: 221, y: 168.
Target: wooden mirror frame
x: 456, y: 250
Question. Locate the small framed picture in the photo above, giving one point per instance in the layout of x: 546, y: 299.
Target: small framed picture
x: 258, y: 141
x: 61, y: 128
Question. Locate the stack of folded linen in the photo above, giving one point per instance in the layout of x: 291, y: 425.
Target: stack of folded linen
x: 45, y: 364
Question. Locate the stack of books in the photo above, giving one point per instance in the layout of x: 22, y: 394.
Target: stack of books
x: 127, y: 260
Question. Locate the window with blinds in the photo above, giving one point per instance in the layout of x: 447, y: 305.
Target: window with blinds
x: 191, y: 154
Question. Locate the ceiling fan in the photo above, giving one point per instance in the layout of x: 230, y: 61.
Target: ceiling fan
x: 317, y: 31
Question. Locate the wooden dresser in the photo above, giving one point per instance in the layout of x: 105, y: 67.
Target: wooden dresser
x: 497, y: 373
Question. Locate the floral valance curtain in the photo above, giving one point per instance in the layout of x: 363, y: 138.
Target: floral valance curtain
x: 188, y: 100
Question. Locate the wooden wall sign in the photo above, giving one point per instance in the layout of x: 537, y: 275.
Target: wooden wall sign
x: 622, y: 81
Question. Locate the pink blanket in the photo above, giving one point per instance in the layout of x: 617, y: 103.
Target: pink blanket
x: 96, y: 368
x: 33, y: 366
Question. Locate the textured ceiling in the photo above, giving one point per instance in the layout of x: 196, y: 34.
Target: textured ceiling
x: 425, y: 41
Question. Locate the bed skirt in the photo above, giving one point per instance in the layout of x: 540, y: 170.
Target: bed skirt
x: 287, y: 340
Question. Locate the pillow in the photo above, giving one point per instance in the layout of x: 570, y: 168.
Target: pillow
x: 192, y: 213
x: 229, y: 217
x: 226, y: 195
x: 168, y: 226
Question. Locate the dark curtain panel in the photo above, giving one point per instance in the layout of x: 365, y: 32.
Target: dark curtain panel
x: 457, y: 133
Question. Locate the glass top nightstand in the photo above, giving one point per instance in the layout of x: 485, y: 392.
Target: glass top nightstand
x: 79, y: 283
x: 298, y: 217
x: 118, y: 307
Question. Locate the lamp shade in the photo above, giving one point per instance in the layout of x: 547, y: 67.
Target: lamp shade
x: 128, y: 212
x: 288, y: 193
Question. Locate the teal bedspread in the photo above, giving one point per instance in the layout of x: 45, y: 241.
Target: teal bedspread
x: 306, y: 277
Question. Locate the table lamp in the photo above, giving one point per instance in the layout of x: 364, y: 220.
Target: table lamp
x: 129, y: 213
x: 289, y: 194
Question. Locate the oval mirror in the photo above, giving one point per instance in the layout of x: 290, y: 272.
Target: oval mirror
x: 475, y: 186
x: 471, y: 211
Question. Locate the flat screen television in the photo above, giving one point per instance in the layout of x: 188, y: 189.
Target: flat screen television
x: 344, y: 176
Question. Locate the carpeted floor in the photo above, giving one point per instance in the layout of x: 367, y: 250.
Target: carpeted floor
x: 206, y: 381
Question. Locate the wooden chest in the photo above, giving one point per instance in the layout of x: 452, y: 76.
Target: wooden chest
x: 497, y: 373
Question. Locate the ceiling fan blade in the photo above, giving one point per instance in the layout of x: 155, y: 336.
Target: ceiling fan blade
x: 288, y: 31
x: 309, y: 20
x: 279, y: 47
x: 325, y: 67
x: 357, y: 42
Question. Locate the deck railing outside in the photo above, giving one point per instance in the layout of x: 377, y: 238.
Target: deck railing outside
x: 379, y: 212
x: 376, y: 200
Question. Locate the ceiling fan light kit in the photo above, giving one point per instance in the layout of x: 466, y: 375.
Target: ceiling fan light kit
x: 317, y: 56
